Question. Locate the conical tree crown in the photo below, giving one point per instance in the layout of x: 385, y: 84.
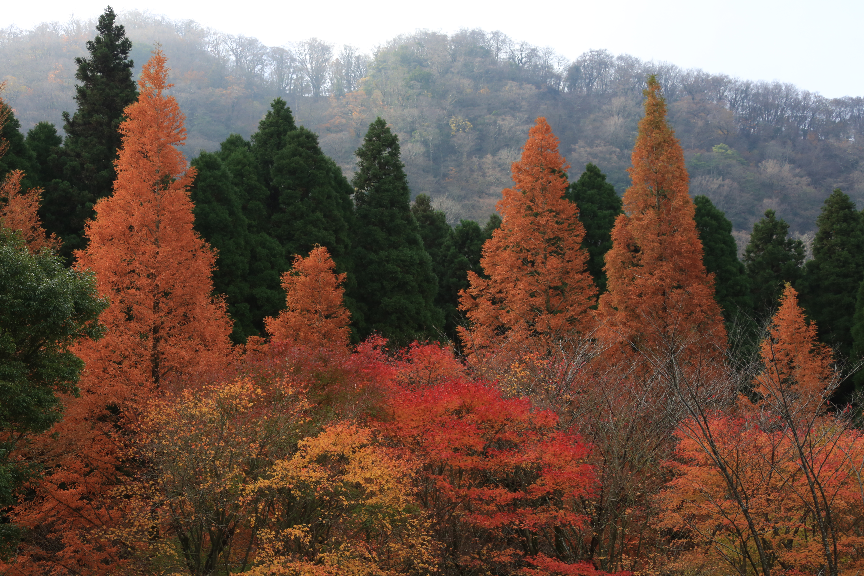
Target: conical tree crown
x: 831, y: 279
x: 315, y: 313
x: 396, y: 287
x: 148, y: 260
x: 797, y: 368
x: 538, y: 285
x: 92, y: 133
x: 659, y: 293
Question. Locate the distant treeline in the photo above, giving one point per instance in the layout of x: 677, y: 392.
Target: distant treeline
x: 461, y: 105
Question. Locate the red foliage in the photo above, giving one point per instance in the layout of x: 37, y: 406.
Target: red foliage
x: 504, y: 487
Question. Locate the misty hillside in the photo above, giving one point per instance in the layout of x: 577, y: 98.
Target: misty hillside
x: 462, y: 106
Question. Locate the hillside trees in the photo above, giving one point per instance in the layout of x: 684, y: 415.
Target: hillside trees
x: 537, y: 288
x: 92, y: 135
x: 396, y: 285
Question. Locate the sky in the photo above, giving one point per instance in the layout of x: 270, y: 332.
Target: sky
x: 814, y: 45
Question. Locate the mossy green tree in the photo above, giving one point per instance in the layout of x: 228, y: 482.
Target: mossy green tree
x: 829, y: 288
x: 720, y: 255
x: 44, y: 309
x: 396, y: 286
x: 771, y: 259
x: 599, y: 206
x: 92, y: 133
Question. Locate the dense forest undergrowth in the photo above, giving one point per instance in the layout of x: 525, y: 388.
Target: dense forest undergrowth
x: 260, y: 362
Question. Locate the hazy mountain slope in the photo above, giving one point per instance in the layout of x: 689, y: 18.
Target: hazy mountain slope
x: 462, y: 106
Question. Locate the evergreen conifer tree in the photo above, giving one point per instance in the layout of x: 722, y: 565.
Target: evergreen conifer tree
x: 720, y: 255
x: 598, y: 205
x: 395, y: 285
x: 829, y: 288
x: 312, y: 200
x: 771, y: 259
x: 92, y: 133
x: 219, y: 218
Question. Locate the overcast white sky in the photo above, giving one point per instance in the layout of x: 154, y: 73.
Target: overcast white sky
x: 814, y: 45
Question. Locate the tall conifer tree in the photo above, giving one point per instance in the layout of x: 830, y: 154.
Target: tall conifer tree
x: 829, y: 289
x: 396, y: 287
x: 720, y: 255
x: 92, y: 136
x: 538, y: 289
x: 660, y: 296
x: 772, y: 259
x: 164, y: 331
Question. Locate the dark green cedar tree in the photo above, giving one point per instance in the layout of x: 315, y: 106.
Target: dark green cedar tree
x: 771, y: 259
x: 463, y: 250
x: 313, y: 200
x: 720, y: 255
x: 44, y: 141
x: 92, y: 137
x: 18, y: 155
x: 829, y: 289
x: 599, y: 206
x: 396, y: 286
x: 435, y: 232
x: 219, y: 218
x: 44, y: 308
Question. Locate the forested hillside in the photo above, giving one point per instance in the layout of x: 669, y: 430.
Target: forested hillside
x: 461, y: 105
x: 280, y: 357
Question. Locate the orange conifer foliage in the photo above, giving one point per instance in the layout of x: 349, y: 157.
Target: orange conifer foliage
x: 659, y: 292
x: 19, y: 211
x: 797, y: 366
x: 538, y: 285
x: 148, y: 259
x: 315, y: 313
x: 163, y: 328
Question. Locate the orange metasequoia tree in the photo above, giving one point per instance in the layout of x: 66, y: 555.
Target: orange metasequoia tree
x: 162, y: 321
x: 538, y: 289
x: 315, y: 313
x: 164, y: 331
x: 18, y: 211
x: 660, y: 298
